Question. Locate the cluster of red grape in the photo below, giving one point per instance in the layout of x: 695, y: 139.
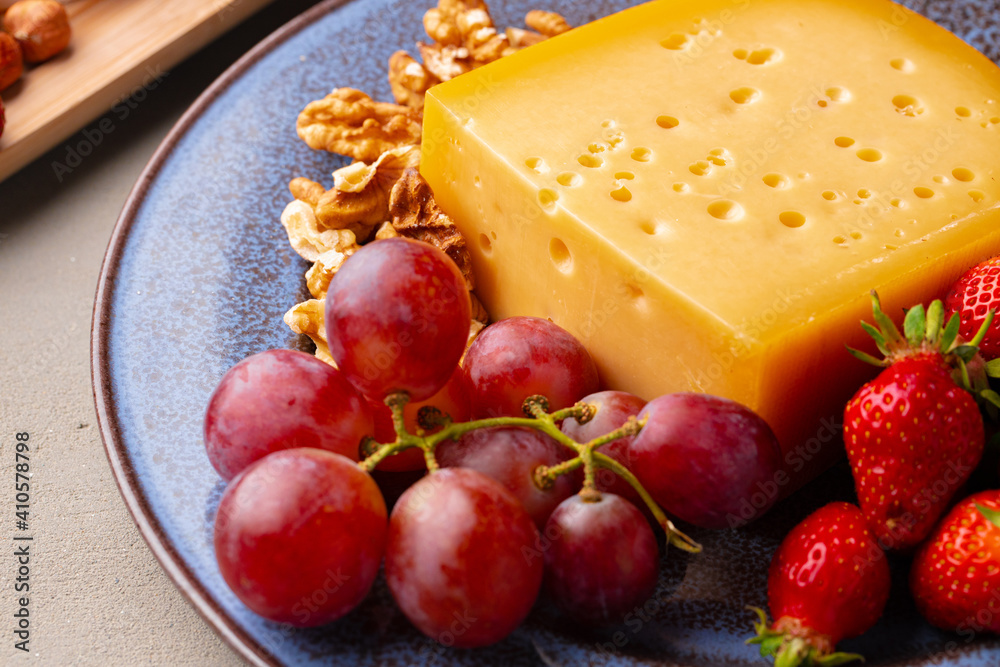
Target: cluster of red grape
x: 510, y: 499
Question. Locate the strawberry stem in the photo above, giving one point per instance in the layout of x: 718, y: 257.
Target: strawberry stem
x: 793, y: 650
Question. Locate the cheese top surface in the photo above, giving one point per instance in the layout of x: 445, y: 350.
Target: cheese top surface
x: 750, y: 152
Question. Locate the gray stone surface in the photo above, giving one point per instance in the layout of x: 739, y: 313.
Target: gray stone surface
x: 97, y: 595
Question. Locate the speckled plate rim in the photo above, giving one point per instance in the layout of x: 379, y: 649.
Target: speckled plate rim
x: 111, y: 435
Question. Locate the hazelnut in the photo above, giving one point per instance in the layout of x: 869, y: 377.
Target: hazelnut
x: 41, y: 27
x: 11, y: 62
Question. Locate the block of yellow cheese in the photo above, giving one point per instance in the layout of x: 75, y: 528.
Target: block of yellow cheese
x: 705, y: 193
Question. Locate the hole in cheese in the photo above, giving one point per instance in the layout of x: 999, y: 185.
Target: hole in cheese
x: 864, y: 193
x: 977, y: 195
x: 844, y: 142
x: 547, y: 199
x: 725, y: 209
x: 740, y: 54
x: 829, y: 195
x: 622, y: 194
x: 569, y: 179
x: 667, y: 122
x: 591, y: 161
x: 720, y: 157
x: 681, y: 187
x: 744, y: 95
x: 641, y: 154
x: 536, y: 164
x: 485, y: 243
x: 922, y: 192
x: 676, y: 42
x: 701, y: 168
x: 962, y: 174
x: 626, y: 175
x: 870, y: 154
x: 907, y: 105
x: 763, y: 56
x: 777, y: 181
x: 964, y: 112
x: 792, y: 219
x: 838, y: 94
x: 561, y: 256
x: 647, y: 227
x: 902, y: 64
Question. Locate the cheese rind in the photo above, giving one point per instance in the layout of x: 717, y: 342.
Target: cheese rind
x: 706, y: 201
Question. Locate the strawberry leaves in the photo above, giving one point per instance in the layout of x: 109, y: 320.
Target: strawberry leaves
x: 925, y: 331
x: 991, y: 515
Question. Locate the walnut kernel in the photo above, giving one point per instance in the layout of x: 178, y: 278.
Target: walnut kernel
x: 549, y: 24
x: 416, y: 215
x: 350, y: 123
x: 409, y: 79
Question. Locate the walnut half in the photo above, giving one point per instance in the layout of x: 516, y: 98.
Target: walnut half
x: 350, y: 123
x: 416, y: 215
x: 409, y: 79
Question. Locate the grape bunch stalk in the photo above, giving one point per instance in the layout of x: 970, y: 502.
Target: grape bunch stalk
x: 511, y: 440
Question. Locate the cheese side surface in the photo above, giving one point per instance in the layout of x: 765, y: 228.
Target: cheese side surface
x: 705, y: 193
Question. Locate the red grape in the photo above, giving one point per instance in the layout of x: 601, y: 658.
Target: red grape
x: 280, y: 399
x: 613, y: 409
x: 454, y: 560
x: 453, y: 400
x: 707, y: 460
x: 299, y: 536
x: 521, y: 356
x: 602, y: 561
x: 510, y: 455
x: 397, y: 318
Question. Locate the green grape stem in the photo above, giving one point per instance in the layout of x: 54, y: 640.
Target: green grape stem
x: 587, y: 455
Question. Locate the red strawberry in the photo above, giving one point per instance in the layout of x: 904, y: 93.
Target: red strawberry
x: 828, y: 581
x: 955, y: 577
x: 913, y: 435
x: 972, y: 296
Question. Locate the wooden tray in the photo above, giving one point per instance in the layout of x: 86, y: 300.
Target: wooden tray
x: 118, y: 48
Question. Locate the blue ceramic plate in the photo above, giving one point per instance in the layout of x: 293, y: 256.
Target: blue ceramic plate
x: 198, y: 275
